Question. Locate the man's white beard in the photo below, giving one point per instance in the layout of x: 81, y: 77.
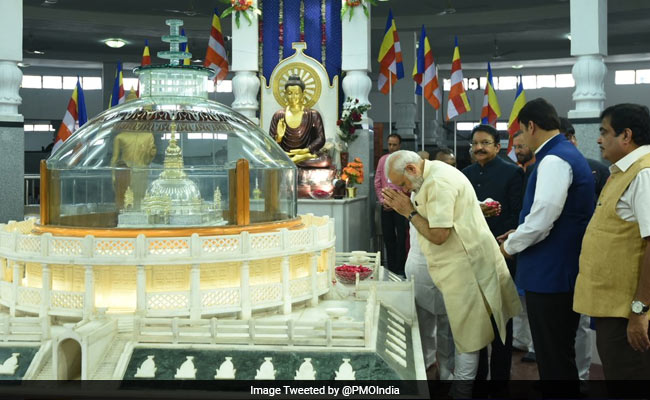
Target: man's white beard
x: 416, y: 182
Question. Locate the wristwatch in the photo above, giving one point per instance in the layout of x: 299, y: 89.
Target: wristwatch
x: 412, y: 214
x: 639, y: 308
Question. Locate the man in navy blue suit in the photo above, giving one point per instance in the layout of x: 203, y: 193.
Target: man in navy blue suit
x: 557, y: 206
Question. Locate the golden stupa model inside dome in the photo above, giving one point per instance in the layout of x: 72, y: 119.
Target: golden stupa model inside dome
x: 172, y: 199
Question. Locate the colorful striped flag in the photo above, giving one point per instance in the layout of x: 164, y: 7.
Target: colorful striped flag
x: 185, y: 47
x: 215, y: 56
x: 146, y: 60
x: 513, y: 121
x: 426, y: 74
x: 118, y: 96
x: 491, y: 110
x: 75, y: 116
x: 390, y: 57
x: 458, y: 102
x: 146, y: 56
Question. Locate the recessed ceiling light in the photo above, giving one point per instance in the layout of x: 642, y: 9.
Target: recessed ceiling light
x: 197, y: 60
x: 115, y: 43
x: 33, y: 51
x: 23, y: 65
x: 517, y: 66
x: 568, y: 36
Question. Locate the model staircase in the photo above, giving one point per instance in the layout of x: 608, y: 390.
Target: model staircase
x: 106, y: 368
x: 47, y: 371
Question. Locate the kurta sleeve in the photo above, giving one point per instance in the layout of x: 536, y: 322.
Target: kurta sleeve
x: 440, y: 206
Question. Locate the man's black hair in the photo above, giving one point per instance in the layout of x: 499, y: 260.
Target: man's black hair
x: 489, y: 129
x: 566, y: 127
x: 395, y: 135
x: 540, y: 112
x: 636, y: 117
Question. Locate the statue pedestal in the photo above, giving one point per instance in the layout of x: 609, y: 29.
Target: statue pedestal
x: 351, y: 229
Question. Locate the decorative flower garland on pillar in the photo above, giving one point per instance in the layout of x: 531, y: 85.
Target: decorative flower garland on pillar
x: 240, y: 7
x: 352, y: 4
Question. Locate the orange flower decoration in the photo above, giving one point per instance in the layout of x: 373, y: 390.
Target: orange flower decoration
x: 353, y: 172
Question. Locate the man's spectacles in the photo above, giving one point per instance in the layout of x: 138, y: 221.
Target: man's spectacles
x: 520, y: 146
x: 484, y: 143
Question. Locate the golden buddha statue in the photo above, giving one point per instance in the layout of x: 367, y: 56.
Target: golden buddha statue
x: 132, y: 151
x: 299, y: 130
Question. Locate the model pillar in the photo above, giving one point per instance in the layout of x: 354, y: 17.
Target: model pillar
x: 314, y: 279
x: 245, y: 290
x: 11, y: 121
x: 17, y: 276
x: 245, y: 84
x: 195, y: 292
x: 141, y: 290
x: 89, y: 296
x: 286, y: 290
x: 46, y: 291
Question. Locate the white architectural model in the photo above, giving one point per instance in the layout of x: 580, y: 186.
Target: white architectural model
x: 10, y: 365
x: 266, y: 371
x: 147, y: 369
x: 226, y: 370
x: 187, y: 370
x: 306, y: 371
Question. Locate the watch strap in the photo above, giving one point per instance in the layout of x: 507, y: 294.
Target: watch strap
x: 412, y: 214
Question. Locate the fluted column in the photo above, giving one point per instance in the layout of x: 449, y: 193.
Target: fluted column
x: 245, y: 84
x: 11, y: 121
x: 589, y: 46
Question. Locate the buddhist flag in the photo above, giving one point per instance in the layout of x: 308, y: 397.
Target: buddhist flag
x: 390, y: 57
x: 118, y: 96
x: 75, y: 116
x: 146, y: 60
x: 215, y: 56
x: 458, y: 102
x: 513, y: 121
x: 491, y: 110
x: 146, y: 56
x: 185, y: 47
x: 426, y: 74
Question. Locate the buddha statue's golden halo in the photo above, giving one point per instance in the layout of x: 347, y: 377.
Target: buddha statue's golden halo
x: 308, y: 76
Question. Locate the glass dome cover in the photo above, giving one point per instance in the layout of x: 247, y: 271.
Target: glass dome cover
x: 167, y: 159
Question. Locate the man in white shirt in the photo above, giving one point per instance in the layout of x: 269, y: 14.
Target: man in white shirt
x: 613, y: 286
x: 558, y: 203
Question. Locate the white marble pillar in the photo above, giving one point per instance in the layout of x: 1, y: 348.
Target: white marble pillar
x: 11, y: 121
x: 89, y: 296
x: 355, y: 56
x: 589, y: 46
x: 314, y: 278
x: 245, y: 84
x: 46, y: 289
x: 16, y: 278
x: 195, y: 292
x: 140, y: 290
x: 286, y: 292
x: 404, y: 117
x: 245, y: 290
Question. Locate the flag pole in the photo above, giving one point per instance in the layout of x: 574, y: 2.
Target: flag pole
x: 422, y: 100
x: 390, y: 102
x: 455, y: 152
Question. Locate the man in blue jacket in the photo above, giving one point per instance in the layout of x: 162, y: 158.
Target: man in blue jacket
x: 558, y: 204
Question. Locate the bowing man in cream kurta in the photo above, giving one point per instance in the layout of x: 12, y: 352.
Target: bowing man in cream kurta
x: 467, y: 267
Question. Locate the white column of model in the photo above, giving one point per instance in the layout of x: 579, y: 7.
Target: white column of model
x: 245, y: 84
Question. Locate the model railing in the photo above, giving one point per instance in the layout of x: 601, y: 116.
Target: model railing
x: 18, y: 247
x: 16, y: 242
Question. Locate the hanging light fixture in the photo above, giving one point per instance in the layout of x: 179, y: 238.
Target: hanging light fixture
x: 115, y: 43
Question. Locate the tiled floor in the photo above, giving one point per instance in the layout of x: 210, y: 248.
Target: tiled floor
x: 528, y: 371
